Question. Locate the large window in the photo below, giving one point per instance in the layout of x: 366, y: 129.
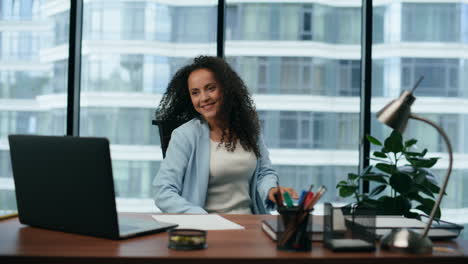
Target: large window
x: 441, y: 76
x: 32, y: 86
x: 299, y: 75
x: 261, y: 43
x: 433, y: 22
x: 130, y: 51
x: 300, y: 60
x: 424, y: 28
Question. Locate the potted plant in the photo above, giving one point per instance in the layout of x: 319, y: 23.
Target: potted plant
x: 408, y: 187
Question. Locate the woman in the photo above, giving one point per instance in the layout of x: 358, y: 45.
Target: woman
x: 216, y: 162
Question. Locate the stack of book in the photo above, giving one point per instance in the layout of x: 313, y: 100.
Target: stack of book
x: 5, y: 214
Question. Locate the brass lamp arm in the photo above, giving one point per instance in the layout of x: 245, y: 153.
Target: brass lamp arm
x: 449, y: 170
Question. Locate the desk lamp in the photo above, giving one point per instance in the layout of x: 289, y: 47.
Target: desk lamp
x: 396, y: 115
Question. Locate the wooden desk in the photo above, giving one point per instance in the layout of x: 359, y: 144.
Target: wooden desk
x: 24, y: 244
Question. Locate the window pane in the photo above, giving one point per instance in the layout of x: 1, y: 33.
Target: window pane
x: 130, y: 51
x: 33, y: 77
x: 305, y: 83
x: 440, y: 95
x: 435, y: 22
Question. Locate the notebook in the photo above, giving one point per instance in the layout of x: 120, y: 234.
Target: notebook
x: 440, y: 230
x: 66, y: 184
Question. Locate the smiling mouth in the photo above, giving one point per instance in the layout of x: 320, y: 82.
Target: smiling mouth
x: 207, y: 105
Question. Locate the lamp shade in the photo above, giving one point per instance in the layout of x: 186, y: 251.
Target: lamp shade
x: 396, y: 113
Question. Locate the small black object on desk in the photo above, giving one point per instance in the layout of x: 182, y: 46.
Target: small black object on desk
x: 360, y: 233
x: 187, y: 239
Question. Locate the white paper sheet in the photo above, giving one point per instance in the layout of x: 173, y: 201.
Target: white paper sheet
x: 203, y: 222
x: 396, y: 221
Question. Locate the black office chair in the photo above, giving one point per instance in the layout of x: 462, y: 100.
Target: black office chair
x: 165, y: 128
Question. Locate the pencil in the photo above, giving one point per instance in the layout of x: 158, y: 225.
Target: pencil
x: 316, y: 197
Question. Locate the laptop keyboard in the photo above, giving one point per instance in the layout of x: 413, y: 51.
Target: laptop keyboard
x: 123, y: 228
x: 130, y: 225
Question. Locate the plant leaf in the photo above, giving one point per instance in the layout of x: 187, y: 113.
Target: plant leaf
x: 423, y: 153
x: 371, y: 203
x: 378, y: 174
x: 379, y: 160
x: 434, y: 188
x: 394, y: 143
x: 388, y: 206
x: 421, y: 162
x: 341, y: 183
x: 401, y: 182
x: 414, y: 154
x: 366, y: 170
x: 390, y: 169
x: 373, y: 140
x: 426, y: 206
x: 377, y: 190
x: 416, y: 197
x: 412, y: 215
x: 420, y: 177
x: 375, y: 178
x: 438, y: 213
x: 384, y: 150
x: 397, y: 206
x: 403, y: 204
x: 410, y: 142
x: 346, y: 191
x: 379, y: 154
x: 352, y: 176
x: 424, y: 189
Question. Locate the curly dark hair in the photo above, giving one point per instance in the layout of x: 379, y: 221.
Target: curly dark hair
x: 237, y: 109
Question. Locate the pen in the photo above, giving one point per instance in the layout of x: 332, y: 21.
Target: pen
x: 304, y: 194
x: 302, y: 197
x: 287, y: 199
x: 293, y: 225
x: 307, y: 199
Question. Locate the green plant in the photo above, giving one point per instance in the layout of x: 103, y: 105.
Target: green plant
x: 410, y: 185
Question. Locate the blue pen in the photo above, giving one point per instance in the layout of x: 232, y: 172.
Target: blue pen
x: 303, y: 195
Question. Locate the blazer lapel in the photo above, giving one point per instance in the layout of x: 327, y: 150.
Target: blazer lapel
x: 203, y: 161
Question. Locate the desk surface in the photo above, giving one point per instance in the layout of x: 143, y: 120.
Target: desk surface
x: 24, y: 244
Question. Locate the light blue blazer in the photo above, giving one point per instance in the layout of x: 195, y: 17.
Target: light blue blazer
x: 182, y: 181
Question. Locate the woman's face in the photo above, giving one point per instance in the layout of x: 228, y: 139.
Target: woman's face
x: 205, y: 93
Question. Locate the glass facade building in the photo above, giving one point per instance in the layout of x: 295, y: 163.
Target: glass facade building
x: 300, y: 60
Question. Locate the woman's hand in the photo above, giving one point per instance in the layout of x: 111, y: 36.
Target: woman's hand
x: 291, y: 192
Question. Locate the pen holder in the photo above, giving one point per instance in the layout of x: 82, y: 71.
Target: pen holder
x: 294, y: 229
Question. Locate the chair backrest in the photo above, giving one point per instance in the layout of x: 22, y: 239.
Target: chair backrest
x: 165, y: 128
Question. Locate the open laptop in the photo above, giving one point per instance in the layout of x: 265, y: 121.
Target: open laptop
x: 66, y: 184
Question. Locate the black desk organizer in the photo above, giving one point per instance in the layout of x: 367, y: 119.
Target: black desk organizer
x: 358, y: 234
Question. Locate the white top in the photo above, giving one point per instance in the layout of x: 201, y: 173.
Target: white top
x: 230, y: 174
